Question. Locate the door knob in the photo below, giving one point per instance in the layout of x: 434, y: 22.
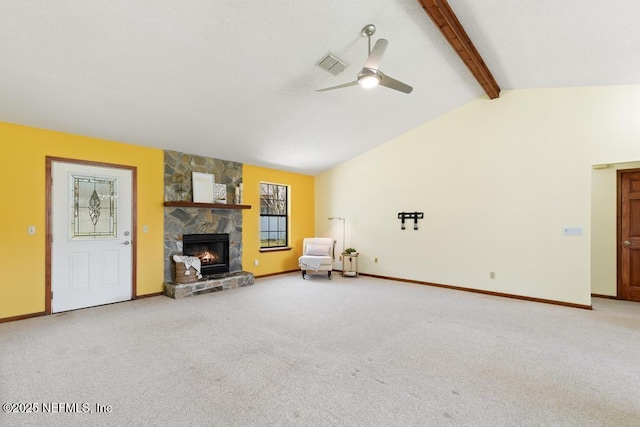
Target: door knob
x: 628, y: 243
x: 126, y: 242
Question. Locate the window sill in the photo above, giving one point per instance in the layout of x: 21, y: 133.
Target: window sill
x: 275, y: 249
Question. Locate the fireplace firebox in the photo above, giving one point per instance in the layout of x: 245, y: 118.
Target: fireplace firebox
x: 212, y: 249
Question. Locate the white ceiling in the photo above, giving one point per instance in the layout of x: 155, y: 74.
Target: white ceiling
x: 237, y: 80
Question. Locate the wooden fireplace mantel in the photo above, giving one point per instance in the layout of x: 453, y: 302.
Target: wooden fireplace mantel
x: 206, y: 205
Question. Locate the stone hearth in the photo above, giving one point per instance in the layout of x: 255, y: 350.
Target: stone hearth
x: 225, y: 281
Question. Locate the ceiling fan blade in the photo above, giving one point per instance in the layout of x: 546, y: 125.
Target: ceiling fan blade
x: 338, y: 87
x: 373, y: 61
x: 392, y: 83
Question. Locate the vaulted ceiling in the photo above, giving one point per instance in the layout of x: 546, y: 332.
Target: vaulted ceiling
x: 237, y: 80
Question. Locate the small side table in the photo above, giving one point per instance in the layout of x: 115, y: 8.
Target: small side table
x: 349, y: 264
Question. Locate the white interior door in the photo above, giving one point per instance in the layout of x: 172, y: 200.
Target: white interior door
x: 91, y: 251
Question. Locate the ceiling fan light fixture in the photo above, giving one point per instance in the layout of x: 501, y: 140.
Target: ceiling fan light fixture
x: 369, y: 82
x: 369, y: 78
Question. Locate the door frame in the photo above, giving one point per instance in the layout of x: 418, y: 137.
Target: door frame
x: 49, y: 225
x: 619, y: 172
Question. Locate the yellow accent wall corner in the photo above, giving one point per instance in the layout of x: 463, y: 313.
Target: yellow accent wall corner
x: 22, y: 179
x: 301, y: 219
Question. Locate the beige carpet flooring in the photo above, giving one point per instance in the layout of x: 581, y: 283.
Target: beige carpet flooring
x: 345, y: 352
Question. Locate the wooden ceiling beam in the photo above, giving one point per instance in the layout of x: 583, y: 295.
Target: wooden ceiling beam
x: 443, y: 17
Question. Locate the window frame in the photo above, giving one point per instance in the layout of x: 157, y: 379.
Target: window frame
x: 285, y: 216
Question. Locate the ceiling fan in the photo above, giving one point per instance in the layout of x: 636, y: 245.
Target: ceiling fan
x: 370, y: 76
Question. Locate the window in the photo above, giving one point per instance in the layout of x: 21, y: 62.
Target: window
x: 273, y: 215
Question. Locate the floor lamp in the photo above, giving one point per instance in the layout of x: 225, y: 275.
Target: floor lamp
x: 331, y: 218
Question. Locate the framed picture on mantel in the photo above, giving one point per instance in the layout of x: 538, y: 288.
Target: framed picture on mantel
x: 202, y: 185
x: 220, y: 193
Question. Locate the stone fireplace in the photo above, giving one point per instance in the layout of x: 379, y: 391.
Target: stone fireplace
x: 188, y: 220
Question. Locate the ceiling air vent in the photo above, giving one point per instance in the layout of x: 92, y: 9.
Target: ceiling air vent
x: 332, y: 64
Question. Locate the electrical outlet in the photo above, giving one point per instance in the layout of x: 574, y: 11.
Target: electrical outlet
x: 256, y: 262
x: 492, y: 275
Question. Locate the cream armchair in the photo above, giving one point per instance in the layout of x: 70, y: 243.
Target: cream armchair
x: 317, y: 255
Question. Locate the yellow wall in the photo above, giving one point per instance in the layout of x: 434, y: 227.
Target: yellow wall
x: 301, y: 219
x: 497, y: 181
x: 22, y: 181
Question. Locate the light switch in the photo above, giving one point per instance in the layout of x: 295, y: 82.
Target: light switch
x: 31, y: 230
x: 572, y: 231
x: 145, y: 228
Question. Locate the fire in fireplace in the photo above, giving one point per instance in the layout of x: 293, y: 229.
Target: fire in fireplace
x: 212, y: 249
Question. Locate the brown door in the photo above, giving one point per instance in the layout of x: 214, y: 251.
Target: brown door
x: 629, y: 235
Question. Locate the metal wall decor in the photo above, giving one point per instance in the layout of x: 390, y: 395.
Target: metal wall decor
x: 410, y: 215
